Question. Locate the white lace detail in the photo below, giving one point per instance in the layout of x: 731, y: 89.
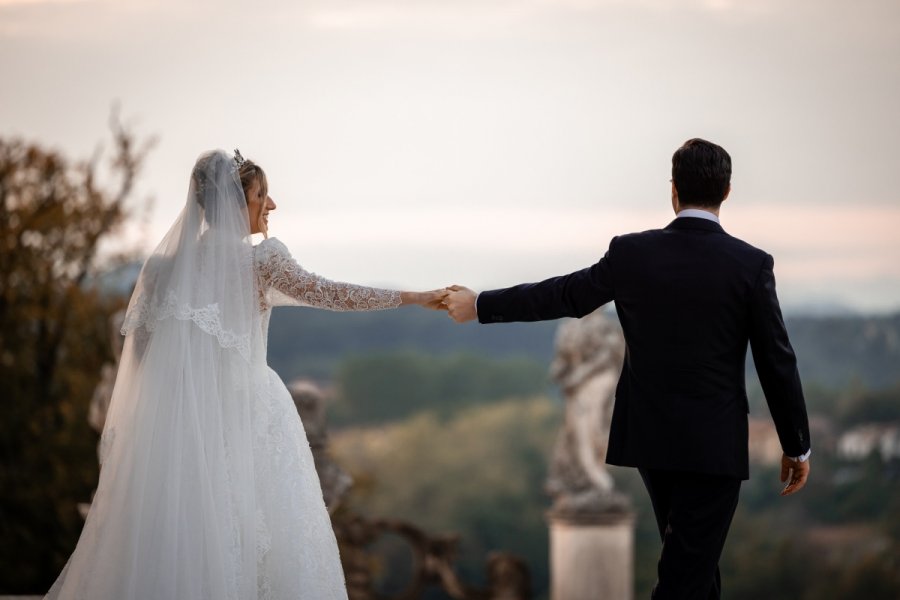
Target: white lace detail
x: 306, y: 546
x: 263, y: 545
x: 207, y: 318
x: 229, y: 512
x: 282, y: 281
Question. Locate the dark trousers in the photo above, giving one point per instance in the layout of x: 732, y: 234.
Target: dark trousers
x: 693, y: 512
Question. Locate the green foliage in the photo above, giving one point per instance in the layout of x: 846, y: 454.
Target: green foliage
x: 307, y: 342
x: 832, y: 352
x: 847, y: 406
x: 762, y: 560
x: 835, y: 351
x: 860, y: 405
x: 837, y: 538
x: 382, y: 388
x: 480, y: 474
x: 54, y: 339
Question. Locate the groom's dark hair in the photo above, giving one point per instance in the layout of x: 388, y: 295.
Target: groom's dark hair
x: 701, y: 172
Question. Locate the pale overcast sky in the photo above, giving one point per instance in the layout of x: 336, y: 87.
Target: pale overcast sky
x: 488, y: 142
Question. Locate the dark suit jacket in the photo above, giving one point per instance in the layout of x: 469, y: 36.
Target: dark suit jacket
x: 689, y: 297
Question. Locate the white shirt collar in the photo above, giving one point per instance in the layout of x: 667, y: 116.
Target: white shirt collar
x: 698, y: 214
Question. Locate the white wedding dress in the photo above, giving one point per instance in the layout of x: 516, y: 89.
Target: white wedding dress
x: 208, y: 490
x: 297, y: 550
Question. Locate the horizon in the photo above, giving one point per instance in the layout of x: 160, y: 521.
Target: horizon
x: 118, y: 279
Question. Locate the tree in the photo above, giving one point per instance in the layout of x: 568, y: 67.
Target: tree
x: 54, y: 339
x: 380, y: 388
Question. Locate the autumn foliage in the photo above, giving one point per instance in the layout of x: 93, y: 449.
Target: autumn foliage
x: 54, y: 339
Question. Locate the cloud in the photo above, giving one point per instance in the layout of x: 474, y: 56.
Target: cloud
x: 15, y: 3
x: 501, y: 105
x: 457, y: 16
x: 486, y: 15
x: 821, y: 254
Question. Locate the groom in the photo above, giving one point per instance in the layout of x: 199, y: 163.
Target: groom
x: 689, y: 297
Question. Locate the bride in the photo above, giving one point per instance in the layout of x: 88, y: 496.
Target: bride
x: 207, y: 488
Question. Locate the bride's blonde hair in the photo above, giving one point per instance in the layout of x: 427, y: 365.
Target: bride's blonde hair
x: 249, y: 172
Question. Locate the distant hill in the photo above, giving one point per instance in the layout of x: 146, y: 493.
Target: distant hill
x: 832, y: 351
x: 307, y: 342
x: 835, y: 345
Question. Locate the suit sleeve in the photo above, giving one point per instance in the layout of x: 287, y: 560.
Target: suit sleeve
x: 776, y: 364
x: 574, y: 295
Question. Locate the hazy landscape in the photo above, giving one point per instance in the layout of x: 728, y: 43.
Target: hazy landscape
x: 451, y: 426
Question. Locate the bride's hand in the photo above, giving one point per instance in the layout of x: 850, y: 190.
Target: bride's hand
x: 433, y: 299
x: 436, y: 299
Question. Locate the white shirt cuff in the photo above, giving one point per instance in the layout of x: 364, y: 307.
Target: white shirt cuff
x: 802, y: 458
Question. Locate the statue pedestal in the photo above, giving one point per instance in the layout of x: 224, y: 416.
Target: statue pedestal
x: 592, y: 555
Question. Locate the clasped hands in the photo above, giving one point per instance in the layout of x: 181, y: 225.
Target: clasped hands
x: 457, y: 300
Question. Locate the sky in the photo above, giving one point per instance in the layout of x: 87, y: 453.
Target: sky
x: 421, y: 143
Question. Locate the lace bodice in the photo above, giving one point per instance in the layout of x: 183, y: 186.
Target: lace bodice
x: 283, y: 282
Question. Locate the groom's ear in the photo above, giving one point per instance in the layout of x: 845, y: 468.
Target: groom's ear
x: 728, y: 191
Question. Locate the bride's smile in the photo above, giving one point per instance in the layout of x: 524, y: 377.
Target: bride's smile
x: 259, y: 205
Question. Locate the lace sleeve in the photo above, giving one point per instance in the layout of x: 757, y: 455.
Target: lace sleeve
x: 287, y: 283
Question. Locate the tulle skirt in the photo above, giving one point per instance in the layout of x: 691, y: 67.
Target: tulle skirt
x: 201, y: 499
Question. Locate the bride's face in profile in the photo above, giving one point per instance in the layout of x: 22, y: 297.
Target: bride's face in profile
x: 259, y: 205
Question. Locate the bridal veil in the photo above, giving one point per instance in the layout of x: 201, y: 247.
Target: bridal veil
x: 174, y: 512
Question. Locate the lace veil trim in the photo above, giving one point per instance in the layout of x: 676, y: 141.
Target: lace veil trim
x: 207, y: 318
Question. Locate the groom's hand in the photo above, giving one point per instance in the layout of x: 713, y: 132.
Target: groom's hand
x: 435, y: 299
x: 461, y: 304
x: 797, y: 471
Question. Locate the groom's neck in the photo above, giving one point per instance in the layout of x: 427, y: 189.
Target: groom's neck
x: 710, y: 209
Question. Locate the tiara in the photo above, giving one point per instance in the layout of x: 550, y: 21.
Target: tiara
x: 238, y: 158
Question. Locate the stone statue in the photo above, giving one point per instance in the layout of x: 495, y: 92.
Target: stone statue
x: 310, y: 403
x: 589, y: 355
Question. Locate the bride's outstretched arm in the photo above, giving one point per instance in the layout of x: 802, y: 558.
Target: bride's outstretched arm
x: 291, y: 284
